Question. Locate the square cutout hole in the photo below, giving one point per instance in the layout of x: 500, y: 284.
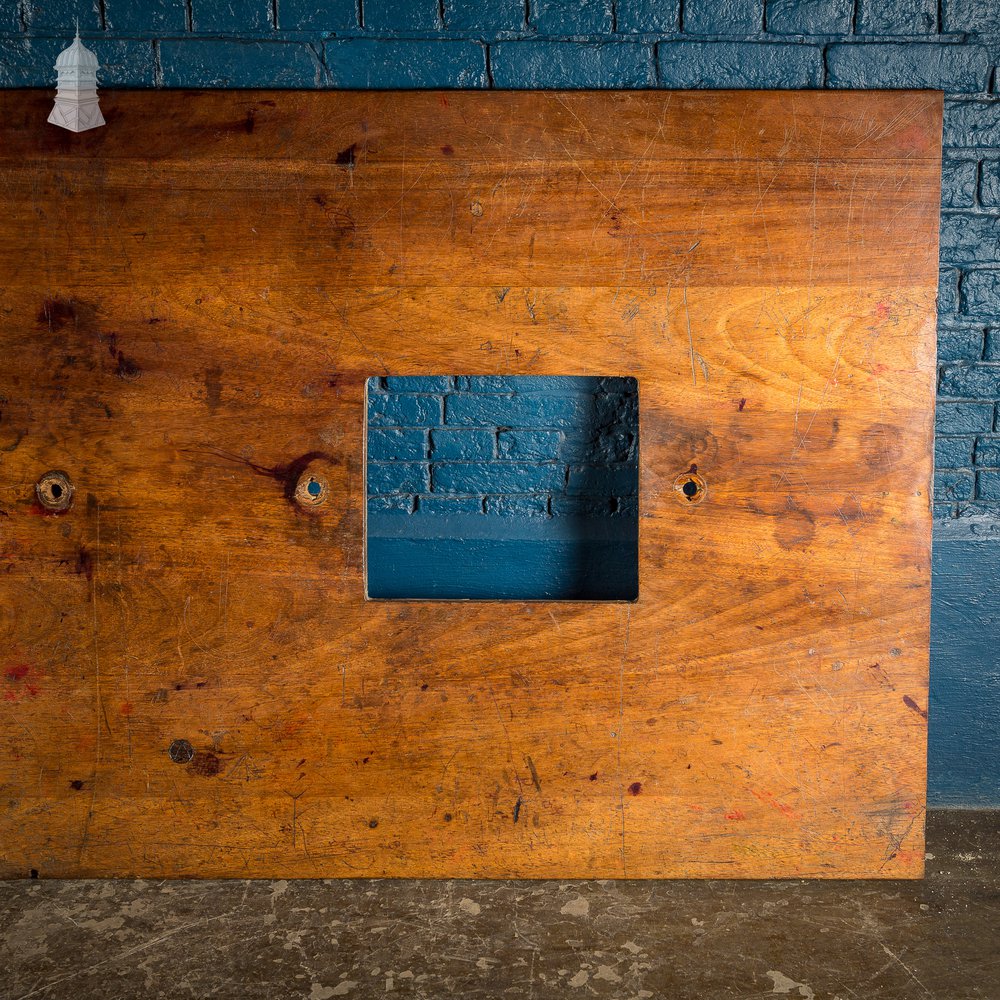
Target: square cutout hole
x: 502, y: 488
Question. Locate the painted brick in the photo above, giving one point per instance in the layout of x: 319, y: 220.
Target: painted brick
x: 953, y: 485
x: 397, y: 444
x: 405, y: 63
x: 969, y: 15
x: 992, y: 351
x: 62, y: 16
x: 417, y: 383
x: 740, y: 65
x: 542, y: 446
x: 497, y: 477
x: 520, y: 65
x: 551, y: 384
x: 970, y: 382
x: 215, y: 63
x: 614, y: 444
x: 971, y: 123
x: 317, y: 15
x: 723, y: 17
x: 401, y: 504
x: 952, y: 452
x: 960, y: 343
x: 968, y: 238
x: 484, y: 15
x: 627, y: 507
x: 988, y: 485
x: 445, y: 506
x: 582, y: 506
x: 896, y: 17
x: 878, y: 65
x: 398, y: 477
x: 964, y: 418
x: 647, y: 15
x: 149, y: 17
x: 30, y: 62
x: 552, y: 412
x: 988, y: 452
x: 234, y: 16
x: 603, y: 480
x: 981, y: 294
x: 571, y: 17
x: 947, y: 297
x: 533, y: 506
x: 958, y: 183
x: 463, y: 445
x: 391, y: 409
x: 989, y: 186
x: 809, y: 17
x: 401, y: 15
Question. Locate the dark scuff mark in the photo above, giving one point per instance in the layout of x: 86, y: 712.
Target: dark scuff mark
x: 345, y: 158
x: 205, y: 764
x: 593, y: 777
x: 248, y: 124
x: 447, y: 150
x: 213, y: 388
x: 85, y: 563
x: 910, y: 703
x: 372, y: 823
x: 741, y: 404
x: 635, y: 788
x: 287, y: 475
x: 56, y: 313
x: 77, y: 785
x: 534, y: 774
x: 517, y: 809
x: 320, y: 200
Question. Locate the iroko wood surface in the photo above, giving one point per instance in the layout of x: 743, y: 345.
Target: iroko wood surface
x: 190, y: 302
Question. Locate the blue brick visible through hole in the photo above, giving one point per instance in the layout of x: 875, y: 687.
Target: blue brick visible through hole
x: 462, y: 445
x: 397, y: 444
x: 403, y: 410
x: 398, y: 477
x: 498, y: 477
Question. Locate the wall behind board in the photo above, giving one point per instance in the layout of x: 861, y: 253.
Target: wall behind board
x: 949, y: 45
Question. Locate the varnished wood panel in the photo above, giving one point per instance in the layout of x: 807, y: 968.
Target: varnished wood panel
x: 191, y: 300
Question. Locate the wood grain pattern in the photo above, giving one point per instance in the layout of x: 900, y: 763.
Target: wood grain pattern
x: 191, y: 300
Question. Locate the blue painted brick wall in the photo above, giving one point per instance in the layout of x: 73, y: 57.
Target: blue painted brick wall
x: 952, y: 45
x: 492, y: 440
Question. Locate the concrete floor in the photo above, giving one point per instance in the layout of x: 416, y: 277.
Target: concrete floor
x: 674, y: 940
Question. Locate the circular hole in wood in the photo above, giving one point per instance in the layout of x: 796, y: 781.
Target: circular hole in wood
x: 54, y: 491
x: 312, y: 490
x: 180, y: 752
x: 690, y: 487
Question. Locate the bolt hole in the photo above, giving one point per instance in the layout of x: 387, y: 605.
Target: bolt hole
x: 690, y: 489
x: 56, y: 491
x: 313, y: 488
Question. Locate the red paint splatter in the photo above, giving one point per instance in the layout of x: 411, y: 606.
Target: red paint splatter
x: 736, y: 814
x: 883, y: 310
x: 782, y: 807
x: 635, y: 788
x: 18, y: 672
x: 126, y: 708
